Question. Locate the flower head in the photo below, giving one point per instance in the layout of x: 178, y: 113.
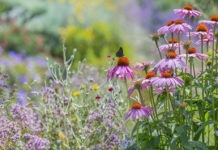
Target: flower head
x: 201, y: 29
x: 172, y: 61
x: 207, y: 38
x: 76, y: 93
x: 122, y: 70
x: 35, y: 142
x: 163, y: 90
x: 61, y: 135
x: 97, y: 97
x: 166, y: 80
x: 193, y: 53
x: 213, y: 20
x: 95, y: 86
x: 188, y: 11
x: 136, y: 85
x: 138, y: 111
x: 110, y: 89
x: 165, y: 29
x: 179, y: 26
x: 142, y: 65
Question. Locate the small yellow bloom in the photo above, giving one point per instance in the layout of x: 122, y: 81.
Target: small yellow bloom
x: 95, y: 86
x: 76, y: 93
x: 61, y: 135
x: 74, y: 118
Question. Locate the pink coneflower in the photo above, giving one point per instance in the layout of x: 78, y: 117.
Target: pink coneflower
x: 166, y: 47
x: 136, y: 85
x: 208, y: 38
x: 141, y: 84
x: 188, y: 11
x: 201, y: 29
x: 165, y: 29
x: 172, y: 44
x: 193, y: 53
x: 146, y: 82
x: 163, y: 90
x: 213, y: 20
x: 142, y: 65
x: 122, y: 70
x: 166, y: 80
x: 172, y: 61
x: 179, y: 27
x: 138, y: 111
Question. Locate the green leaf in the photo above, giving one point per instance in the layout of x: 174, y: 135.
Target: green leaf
x: 153, y: 143
x: 198, y: 145
x: 202, y: 126
x: 173, y: 142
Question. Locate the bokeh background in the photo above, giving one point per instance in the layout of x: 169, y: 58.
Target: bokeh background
x: 33, y: 30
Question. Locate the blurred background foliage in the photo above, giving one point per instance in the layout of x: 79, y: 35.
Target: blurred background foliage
x: 96, y: 28
x: 32, y: 30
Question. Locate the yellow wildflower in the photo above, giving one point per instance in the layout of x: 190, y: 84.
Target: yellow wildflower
x: 74, y: 118
x: 61, y: 135
x: 76, y: 93
x: 95, y: 86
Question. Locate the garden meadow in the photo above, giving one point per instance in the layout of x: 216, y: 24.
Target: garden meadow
x: 166, y: 104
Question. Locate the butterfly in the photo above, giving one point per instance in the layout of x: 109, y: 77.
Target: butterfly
x: 119, y: 53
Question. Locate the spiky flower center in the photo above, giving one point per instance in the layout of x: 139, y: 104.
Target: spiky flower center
x: 171, y: 54
x: 173, y: 40
x: 178, y: 22
x: 150, y: 74
x: 214, y: 18
x: 166, y: 74
x: 136, y: 105
x: 191, y: 50
x: 201, y: 28
x: 123, y: 61
x: 188, y: 7
x: 169, y: 23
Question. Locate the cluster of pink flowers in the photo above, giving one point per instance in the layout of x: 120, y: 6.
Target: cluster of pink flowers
x: 163, y: 76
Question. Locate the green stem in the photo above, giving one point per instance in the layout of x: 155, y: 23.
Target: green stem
x: 213, y: 51
x: 179, y: 42
x: 196, y: 91
x: 191, y: 100
x: 153, y: 103
x: 202, y: 68
x: 156, y: 43
x: 141, y: 97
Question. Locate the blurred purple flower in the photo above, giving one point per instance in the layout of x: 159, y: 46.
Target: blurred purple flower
x: 35, y: 143
x: 188, y: 11
x: 22, y: 97
x: 192, y: 53
x: 9, y: 131
x: 172, y: 62
x: 166, y: 80
x: 138, y: 111
x: 179, y: 27
x: 26, y: 117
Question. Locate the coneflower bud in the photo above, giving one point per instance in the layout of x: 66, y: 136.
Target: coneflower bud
x: 155, y: 37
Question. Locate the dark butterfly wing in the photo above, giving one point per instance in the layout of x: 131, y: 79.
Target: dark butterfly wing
x: 119, y: 53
